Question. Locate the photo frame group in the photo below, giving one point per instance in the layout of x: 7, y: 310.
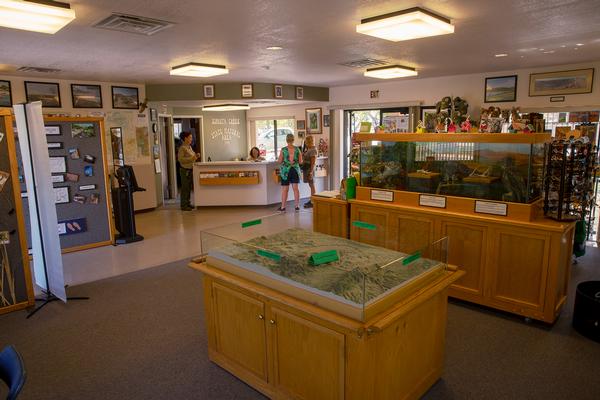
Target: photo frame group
x: 125, y: 98
x: 314, y: 121
x: 46, y: 92
x: 577, y: 81
x: 5, y: 94
x: 86, y: 96
x: 500, y: 89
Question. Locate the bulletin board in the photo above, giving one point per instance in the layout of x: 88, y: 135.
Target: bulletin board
x: 81, y: 182
x: 16, y: 288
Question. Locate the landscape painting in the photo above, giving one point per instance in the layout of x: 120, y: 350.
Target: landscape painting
x: 125, y: 97
x: 47, y: 93
x: 86, y: 96
x: 5, y: 95
x: 501, y: 88
x: 562, y: 82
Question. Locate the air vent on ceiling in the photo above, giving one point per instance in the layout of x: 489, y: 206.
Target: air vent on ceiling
x: 38, y: 70
x: 133, y: 24
x: 363, y: 63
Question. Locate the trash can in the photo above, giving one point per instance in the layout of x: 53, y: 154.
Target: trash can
x: 586, y: 315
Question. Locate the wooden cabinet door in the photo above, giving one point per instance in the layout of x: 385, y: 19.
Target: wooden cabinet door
x: 307, y: 359
x: 330, y: 218
x: 467, y: 250
x: 411, y: 232
x: 240, y: 329
x: 519, y: 268
x: 380, y: 236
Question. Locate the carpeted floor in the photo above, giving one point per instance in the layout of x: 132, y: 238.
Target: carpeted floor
x: 141, y: 336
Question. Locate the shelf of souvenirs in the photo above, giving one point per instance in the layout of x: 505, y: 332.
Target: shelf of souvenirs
x: 484, y: 137
x: 229, y: 178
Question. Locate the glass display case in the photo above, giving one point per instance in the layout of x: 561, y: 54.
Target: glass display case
x: 353, y: 279
x: 502, y: 167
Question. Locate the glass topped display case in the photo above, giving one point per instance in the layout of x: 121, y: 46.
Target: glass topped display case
x: 502, y: 167
x: 354, y: 279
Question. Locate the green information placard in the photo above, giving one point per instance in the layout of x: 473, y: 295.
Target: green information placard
x: 413, y: 257
x: 268, y: 254
x: 364, y: 225
x: 251, y: 223
x: 324, y: 257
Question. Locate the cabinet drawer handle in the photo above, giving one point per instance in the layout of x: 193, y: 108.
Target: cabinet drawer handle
x: 260, y: 316
x: 272, y: 322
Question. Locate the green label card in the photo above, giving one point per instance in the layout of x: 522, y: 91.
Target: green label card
x: 251, y: 223
x: 364, y: 225
x: 413, y: 257
x: 324, y: 257
x: 268, y: 254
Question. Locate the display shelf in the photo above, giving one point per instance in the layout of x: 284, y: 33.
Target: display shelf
x: 525, y: 138
x: 222, y: 178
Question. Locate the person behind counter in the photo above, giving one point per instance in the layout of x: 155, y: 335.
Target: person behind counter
x: 186, y: 157
x: 255, y: 155
x: 309, y: 156
x: 290, y: 159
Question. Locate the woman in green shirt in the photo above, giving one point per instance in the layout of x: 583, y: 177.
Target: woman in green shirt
x: 290, y: 159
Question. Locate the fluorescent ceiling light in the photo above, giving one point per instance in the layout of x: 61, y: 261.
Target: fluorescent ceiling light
x: 199, y: 70
x: 409, y: 24
x: 579, y: 44
x: 274, y: 48
x: 226, y: 107
x: 501, y: 55
x: 390, y: 72
x: 29, y: 15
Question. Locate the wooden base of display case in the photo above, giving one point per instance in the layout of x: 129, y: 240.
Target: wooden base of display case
x: 330, y: 216
x: 290, y: 349
x: 522, y: 267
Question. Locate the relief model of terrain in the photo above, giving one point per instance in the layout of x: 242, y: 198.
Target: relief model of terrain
x: 378, y: 269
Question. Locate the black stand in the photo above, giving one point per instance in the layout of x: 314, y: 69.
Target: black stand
x: 49, y: 297
x: 123, y: 205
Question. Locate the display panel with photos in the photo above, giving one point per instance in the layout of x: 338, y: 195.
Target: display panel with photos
x: 125, y: 97
x: 46, y: 92
x: 86, y: 96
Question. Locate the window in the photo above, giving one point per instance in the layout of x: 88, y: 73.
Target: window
x: 267, y: 141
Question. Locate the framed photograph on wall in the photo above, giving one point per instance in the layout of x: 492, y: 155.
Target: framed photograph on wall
x: 247, y: 90
x: 278, y: 91
x: 299, y: 93
x: 326, y: 121
x: 153, y: 115
x: 314, y: 121
x: 576, y: 81
x: 46, y: 92
x: 86, y: 96
x: 125, y: 98
x: 300, y: 124
x: 5, y: 94
x: 209, y: 91
x: 500, y: 89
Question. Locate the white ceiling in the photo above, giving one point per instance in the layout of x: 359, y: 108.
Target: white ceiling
x: 316, y: 36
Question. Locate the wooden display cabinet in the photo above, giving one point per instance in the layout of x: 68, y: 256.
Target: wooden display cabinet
x: 330, y: 216
x: 291, y: 349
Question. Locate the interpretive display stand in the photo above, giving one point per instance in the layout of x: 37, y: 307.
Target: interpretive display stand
x: 16, y: 288
x: 303, y: 315
x: 123, y: 205
x: 80, y: 180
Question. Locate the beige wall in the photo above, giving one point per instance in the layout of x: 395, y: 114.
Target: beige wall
x: 144, y: 171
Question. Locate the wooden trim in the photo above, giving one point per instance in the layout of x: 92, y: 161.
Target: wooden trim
x: 522, y: 138
x: 87, y: 246
x: 12, y: 154
x: 328, y: 200
x: 16, y: 307
x: 107, y: 184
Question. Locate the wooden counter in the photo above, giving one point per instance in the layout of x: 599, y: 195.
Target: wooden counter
x: 290, y: 349
x: 519, y: 266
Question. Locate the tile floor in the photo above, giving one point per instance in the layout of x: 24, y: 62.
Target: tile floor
x: 169, y: 235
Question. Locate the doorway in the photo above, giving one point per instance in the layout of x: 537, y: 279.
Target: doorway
x: 181, y: 124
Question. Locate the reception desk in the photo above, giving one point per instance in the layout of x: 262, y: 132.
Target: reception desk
x: 237, y: 183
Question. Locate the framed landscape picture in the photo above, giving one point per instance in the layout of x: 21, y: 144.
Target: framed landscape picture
x: 5, y: 94
x: 500, y: 89
x: 86, y: 96
x: 46, y: 92
x: 125, y: 98
x: 314, y: 121
x: 577, y: 81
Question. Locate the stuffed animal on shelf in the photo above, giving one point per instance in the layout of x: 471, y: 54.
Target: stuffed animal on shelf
x: 466, y: 125
x: 451, y: 126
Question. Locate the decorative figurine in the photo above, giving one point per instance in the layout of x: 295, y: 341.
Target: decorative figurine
x: 421, y: 127
x: 466, y: 125
x: 451, y: 126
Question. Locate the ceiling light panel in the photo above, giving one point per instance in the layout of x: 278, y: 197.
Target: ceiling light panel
x: 409, y: 24
x: 226, y: 107
x: 391, y: 72
x: 199, y: 70
x: 45, y: 17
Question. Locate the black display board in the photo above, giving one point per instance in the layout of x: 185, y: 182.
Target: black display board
x: 15, y: 279
x: 76, y: 149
